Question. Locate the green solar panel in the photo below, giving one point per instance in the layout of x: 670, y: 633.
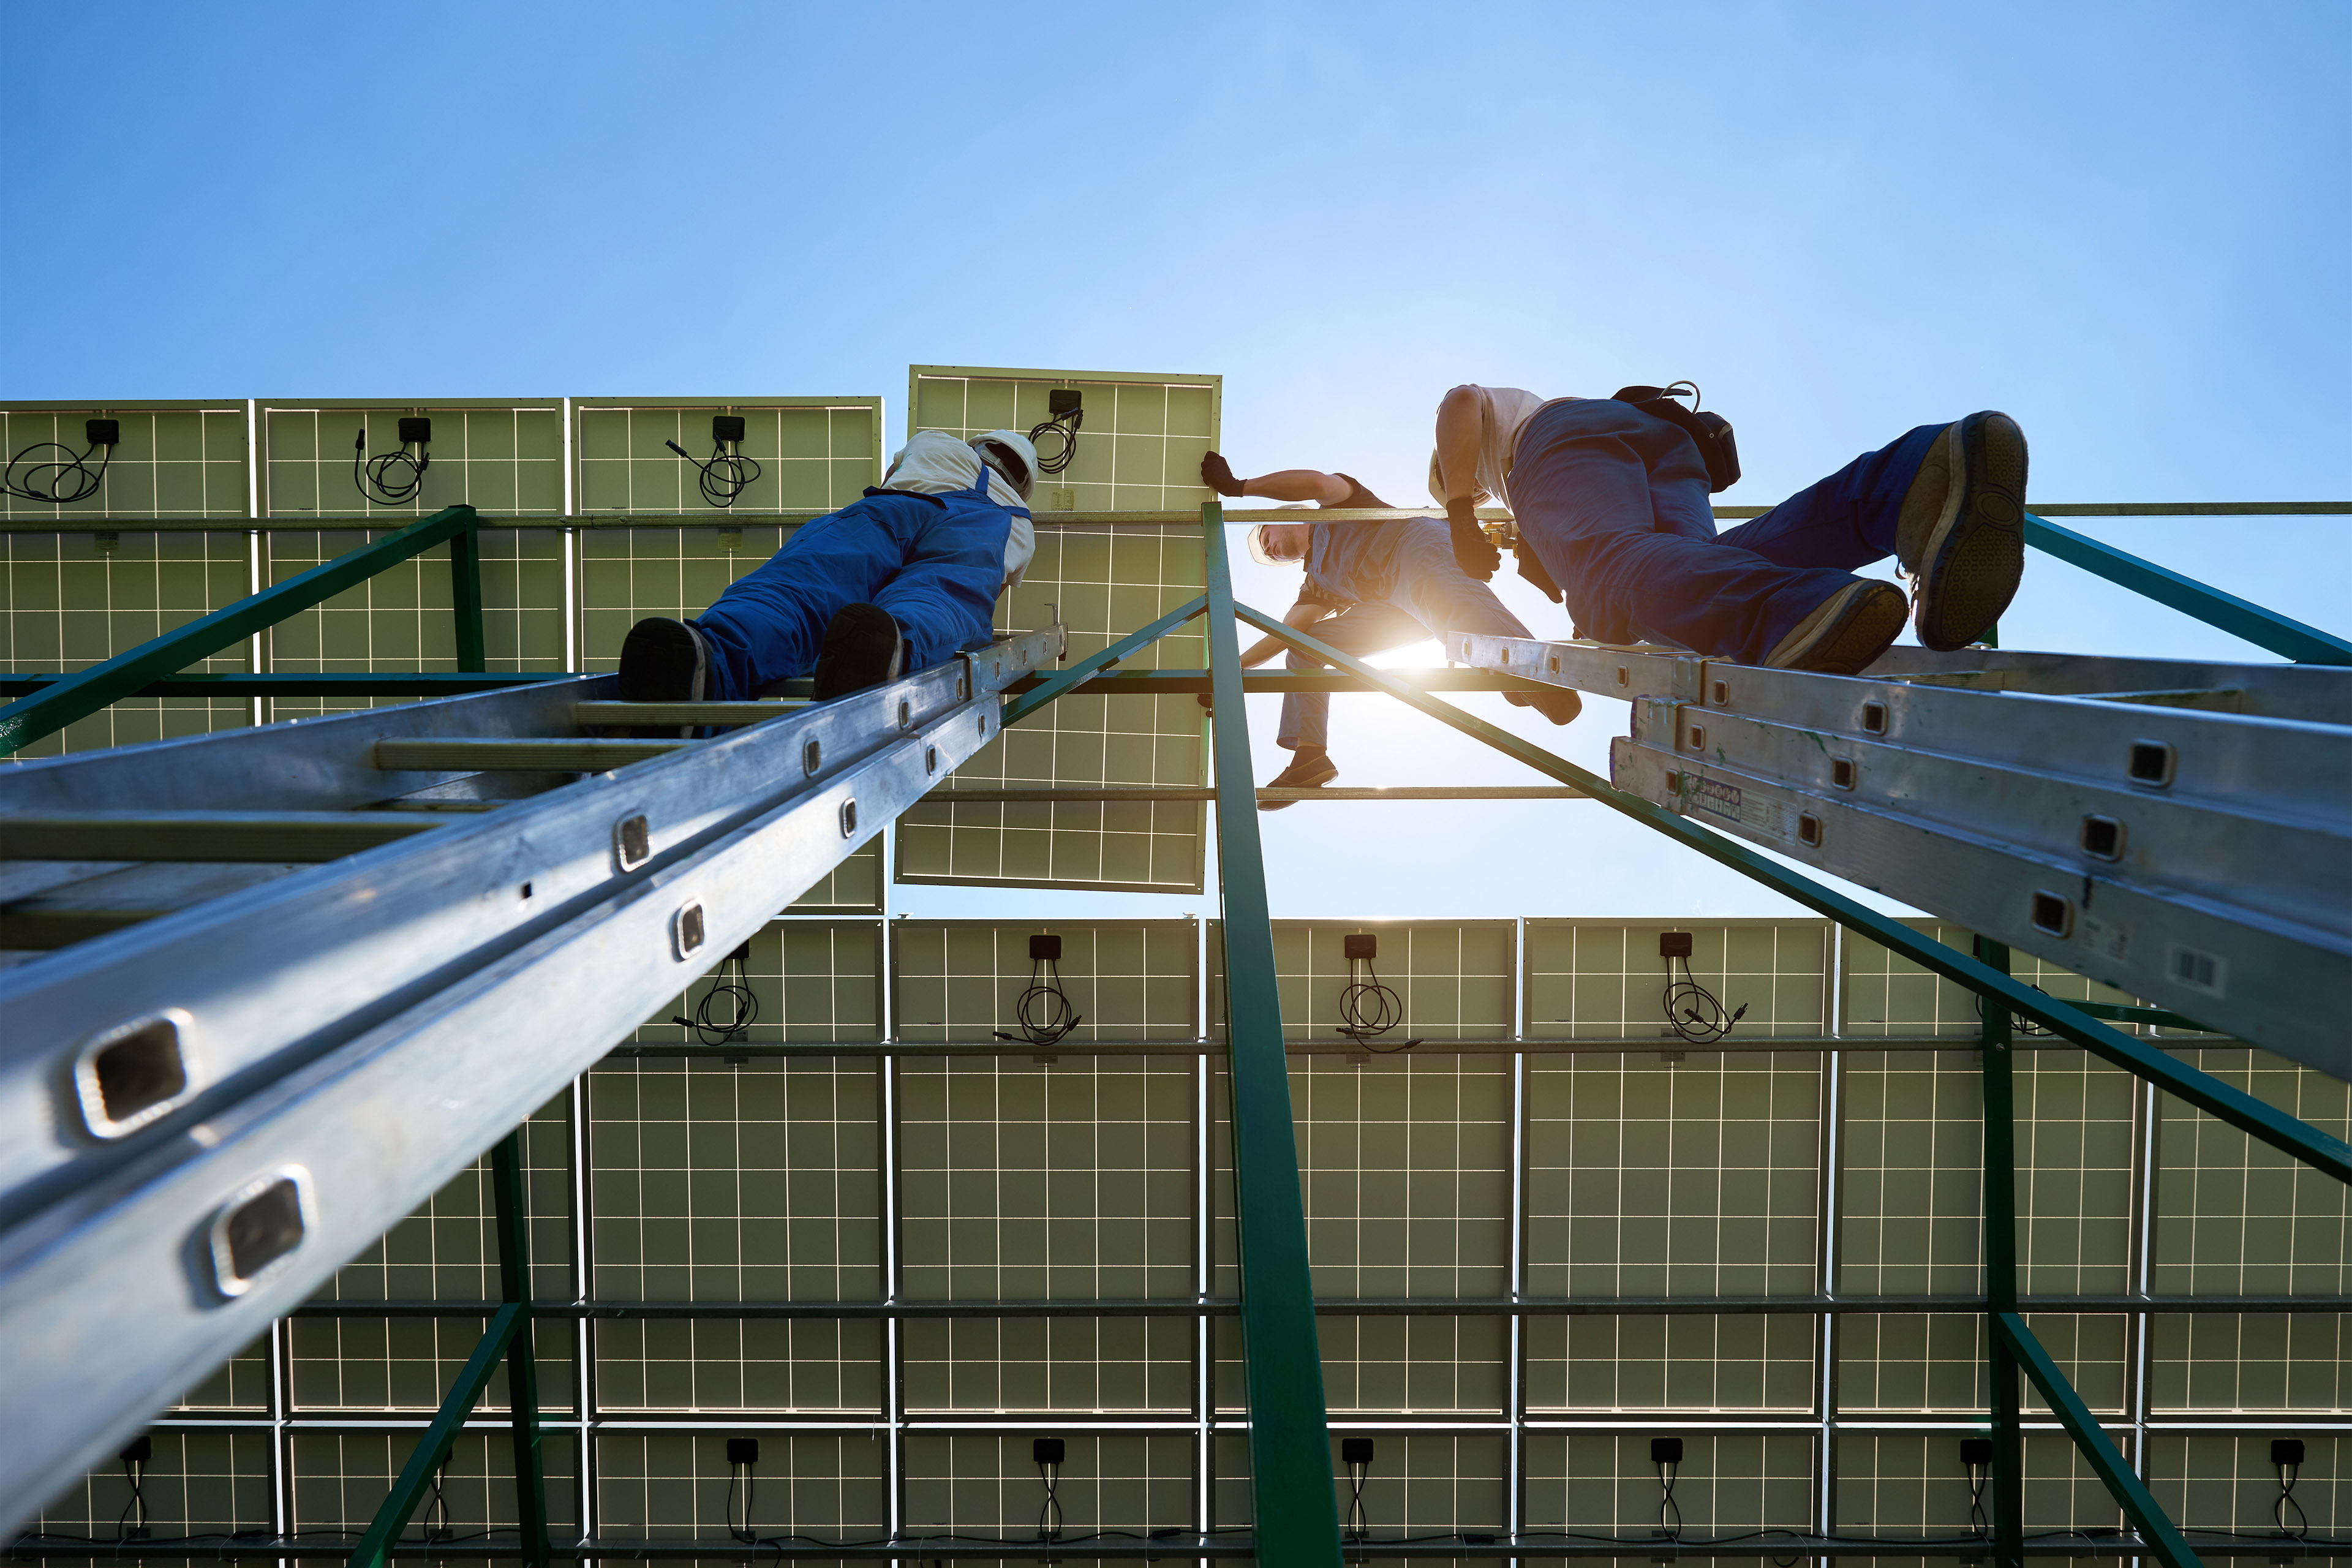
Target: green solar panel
x: 502, y: 457
x: 175, y: 459
x: 813, y: 453
x: 1138, y: 450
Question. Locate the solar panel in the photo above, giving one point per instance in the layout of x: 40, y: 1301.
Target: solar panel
x: 1138, y: 450
x: 813, y: 454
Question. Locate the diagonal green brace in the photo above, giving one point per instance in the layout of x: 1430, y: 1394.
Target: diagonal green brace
x: 2128, y: 1489
x: 2263, y: 628
x: 1061, y: 681
x: 1292, y: 1499
x: 85, y: 692
x: 433, y: 1449
x: 511, y: 1201
x: 2206, y: 1092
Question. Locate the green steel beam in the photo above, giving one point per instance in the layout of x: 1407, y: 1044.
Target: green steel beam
x: 2263, y: 628
x: 2008, y: 1471
x: 433, y: 1449
x: 1060, y: 681
x: 465, y: 598
x: 364, y: 683
x: 513, y: 1209
x: 2128, y: 1489
x: 87, y: 692
x: 1293, y: 1502
x: 2201, y: 1090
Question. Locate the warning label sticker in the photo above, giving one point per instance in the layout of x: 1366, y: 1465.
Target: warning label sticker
x: 1715, y: 796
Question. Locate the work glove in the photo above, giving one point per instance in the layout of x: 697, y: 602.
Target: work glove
x: 1473, y: 552
x: 1218, y: 475
x: 1531, y: 567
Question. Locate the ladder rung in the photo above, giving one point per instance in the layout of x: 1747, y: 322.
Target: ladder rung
x: 261, y: 836
x: 547, y: 756
x: 76, y: 912
x: 604, y: 713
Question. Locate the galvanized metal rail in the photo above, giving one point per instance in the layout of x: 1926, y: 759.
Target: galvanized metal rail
x: 226, y: 1070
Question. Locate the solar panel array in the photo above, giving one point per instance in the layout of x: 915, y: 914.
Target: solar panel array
x: 895, y: 1247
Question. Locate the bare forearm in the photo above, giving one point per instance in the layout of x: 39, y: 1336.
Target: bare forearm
x: 1298, y: 484
x: 1458, y: 419
x: 1300, y: 616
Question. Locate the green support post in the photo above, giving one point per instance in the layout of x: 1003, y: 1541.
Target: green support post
x: 84, y: 692
x: 509, y: 1339
x: 2263, y: 628
x: 465, y: 596
x: 2008, y: 1487
x: 1063, y: 681
x: 2265, y: 1123
x: 511, y: 1198
x: 1293, y: 1501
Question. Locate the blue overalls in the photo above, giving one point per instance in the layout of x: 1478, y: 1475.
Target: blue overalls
x: 1407, y: 588
x: 936, y: 563
x: 1615, y: 502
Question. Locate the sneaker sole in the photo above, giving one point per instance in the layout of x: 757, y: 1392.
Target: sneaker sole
x: 663, y: 661
x: 1331, y: 771
x: 862, y: 649
x: 1974, y: 556
x: 1859, y: 623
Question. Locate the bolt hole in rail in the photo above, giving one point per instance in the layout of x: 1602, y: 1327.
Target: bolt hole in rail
x: 170, y: 1119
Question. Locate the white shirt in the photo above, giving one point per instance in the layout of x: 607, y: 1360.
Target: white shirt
x: 934, y: 462
x: 1502, y: 411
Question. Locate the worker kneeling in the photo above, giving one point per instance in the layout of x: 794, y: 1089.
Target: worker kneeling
x: 898, y: 581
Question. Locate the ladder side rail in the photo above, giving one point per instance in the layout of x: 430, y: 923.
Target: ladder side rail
x: 1295, y: 1514
x: 255, y: 982
x: 2265, y: 1123
x: 2267, y: 977
x: 121, y: 1288
x: 85, y: 692
x: 308, y: 765
x: 2281, y: 635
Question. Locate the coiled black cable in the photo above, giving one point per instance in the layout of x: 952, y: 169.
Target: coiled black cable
x: 1368, y: 1008
x: 1064, y: 425
x: 1049, y: 1470
x: 389, y: 478
x: 56, y: 483
x: 744, y: 1007
x: 134, y: 1470
x: 726, y: 475
x: 1693, y: 1011
x: 438, y: 1505
x: 2301, y: 1530
x: 734, y: 1469
x: 1042, y: 1013
x: 1667, y: 1470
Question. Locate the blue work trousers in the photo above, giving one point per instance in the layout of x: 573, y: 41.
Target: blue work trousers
x: 935, y: 565
x: 1615, y: 502
x: 1427, y: 594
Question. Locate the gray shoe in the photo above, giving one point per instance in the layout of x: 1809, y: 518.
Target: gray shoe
x: 1961, y: 534
x: 1307, y: 772
x: 664, y: 660
x: 1846, y: 634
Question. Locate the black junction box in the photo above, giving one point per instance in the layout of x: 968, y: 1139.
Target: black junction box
x: 727, y: 426
x: 2286, y: 1450
x: 1355, y: 1450
x: 1061, y: 400
x: 102, y: 432
x: 1673, y: 944
x: 1976, y: 1450
x: 141, y: 1448
x: 1044, y: 950
x: 1046, y: 1451
x: 1363, y: 945
x: 1665, y: 1450
x: 415, y: 429
x: 742, y: 1451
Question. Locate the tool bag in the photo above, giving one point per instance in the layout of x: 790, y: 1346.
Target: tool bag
x: 1711, y: 431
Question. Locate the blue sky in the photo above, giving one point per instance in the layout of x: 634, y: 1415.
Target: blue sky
x: 2129, y: 226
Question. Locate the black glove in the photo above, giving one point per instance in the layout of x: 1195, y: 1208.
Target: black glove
x: 1531, y: 567
x: 1473, y: 552
x: 1218, y: 475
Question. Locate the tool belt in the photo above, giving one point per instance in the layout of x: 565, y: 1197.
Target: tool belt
x: 1711, y: 431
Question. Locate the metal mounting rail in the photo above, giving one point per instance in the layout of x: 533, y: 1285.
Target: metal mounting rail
x: 258, y: 1069
x: 2200, y: 858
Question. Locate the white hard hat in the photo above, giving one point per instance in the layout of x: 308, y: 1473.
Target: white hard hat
x: 1012, y: 450
x: 1255, y: 537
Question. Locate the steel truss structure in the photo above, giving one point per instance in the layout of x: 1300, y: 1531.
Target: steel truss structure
x: 198, y: 1078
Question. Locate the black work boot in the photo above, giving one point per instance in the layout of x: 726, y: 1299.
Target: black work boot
x: 862, y: 649
x: 664, y: 660
x: 1961, y: 532
x: 1311, y: 768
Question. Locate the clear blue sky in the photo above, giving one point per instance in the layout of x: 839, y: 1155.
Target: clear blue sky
x: 2128, y: 225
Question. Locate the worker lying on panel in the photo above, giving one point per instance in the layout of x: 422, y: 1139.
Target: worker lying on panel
x: 1612, y: 495
x: 1381, y: 584
x: 894, y: 582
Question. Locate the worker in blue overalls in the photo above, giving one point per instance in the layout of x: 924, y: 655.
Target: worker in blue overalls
x: 894, y: 582
x: 1372, y: 586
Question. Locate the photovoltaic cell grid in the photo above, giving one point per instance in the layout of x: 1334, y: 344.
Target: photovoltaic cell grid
x: 814, y: 454
x: 1124, y: 980
x: 1605, y: 979
x: 1140, y: 450
x: 814, y: 982
x: 184, y: 459
x: 765, y: 1181
x: 504, y: 458
x: 1452, y: 979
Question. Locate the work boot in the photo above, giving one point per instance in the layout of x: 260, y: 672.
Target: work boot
x: 1557, y: 703
x: 1846, y: 634
x: 664, y: 660
x: 862, y: 649
x: 1218, y: 475
x: 1307, y: 770
x: 1961, y: 532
